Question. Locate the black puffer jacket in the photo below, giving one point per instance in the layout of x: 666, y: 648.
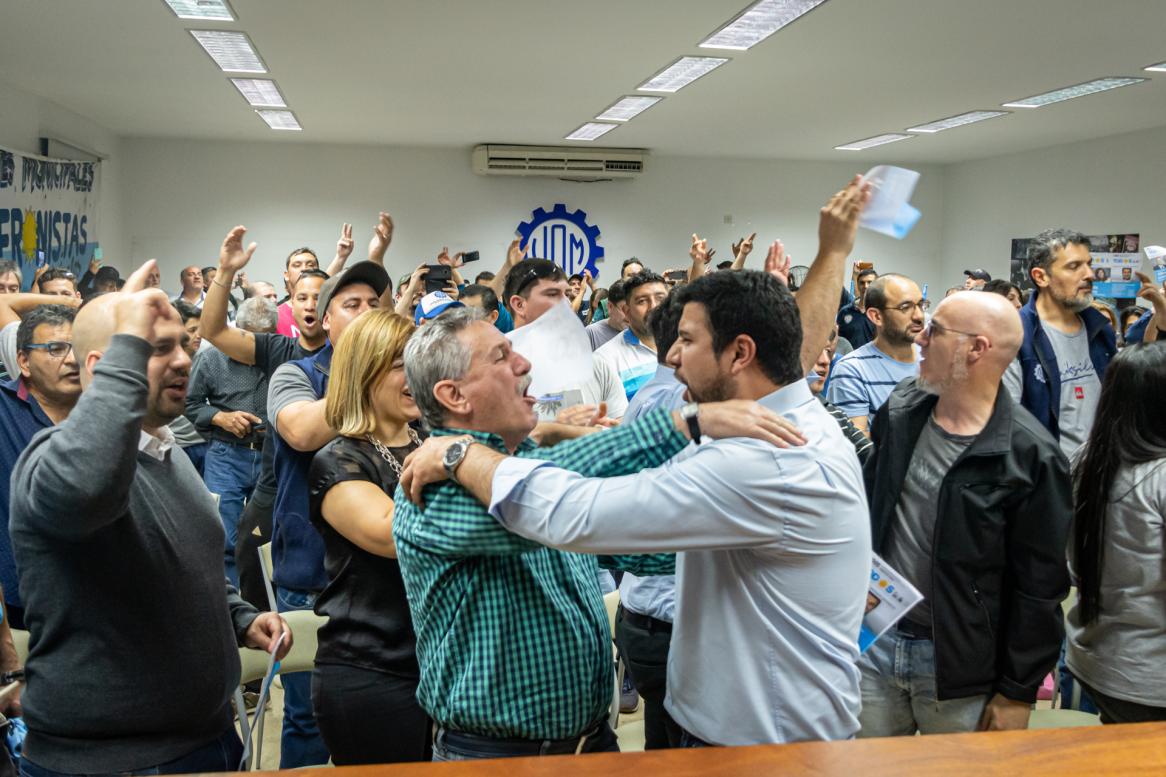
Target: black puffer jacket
x: 999, y: 573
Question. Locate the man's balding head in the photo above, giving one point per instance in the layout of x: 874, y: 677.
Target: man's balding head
x: 971, y: 339
x: 92, y: 330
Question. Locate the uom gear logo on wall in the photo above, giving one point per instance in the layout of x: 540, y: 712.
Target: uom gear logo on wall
x: 564, y: 238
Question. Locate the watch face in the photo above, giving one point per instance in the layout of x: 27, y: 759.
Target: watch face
x: 454, y: 453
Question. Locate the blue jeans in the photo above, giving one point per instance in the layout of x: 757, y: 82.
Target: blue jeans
x: 197, y: 455
x: 221, y: 755
x: 300, y: 743
x: 231, y: 471
x: 898, y: 692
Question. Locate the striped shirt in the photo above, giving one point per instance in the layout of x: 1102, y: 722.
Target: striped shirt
x: 634, y: 362
x: 512, y: 636
x: 862, y: 380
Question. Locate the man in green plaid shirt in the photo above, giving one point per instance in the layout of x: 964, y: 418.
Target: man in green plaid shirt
x: 512, y: 637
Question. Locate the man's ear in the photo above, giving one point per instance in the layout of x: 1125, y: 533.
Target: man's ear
x: 22, y: 363
x: 450, y: 397
x: 517, y: 304
x: 874, y: 315
x: 744, y: 353
x: 493, y: 316
x: 1039, y: 276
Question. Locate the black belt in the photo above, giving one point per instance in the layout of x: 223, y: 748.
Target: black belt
x: 913, y: 630
x: 250, y: 443
x: 645, y: 622
x: 516, y: 746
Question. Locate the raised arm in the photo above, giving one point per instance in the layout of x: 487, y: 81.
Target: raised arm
x: 701, y: 255
x: 239, y: 344
x: 416, y: 283
x: 76, y: 480
x: 819, y: 293
x: 382, y: 236
x: 1156, y: 295
x: 514, y: 254
x: 13, y: 307
x: 741, y: 250
x: 343, y: 250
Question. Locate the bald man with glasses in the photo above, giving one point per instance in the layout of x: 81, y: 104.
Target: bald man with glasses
x: 970, y: 500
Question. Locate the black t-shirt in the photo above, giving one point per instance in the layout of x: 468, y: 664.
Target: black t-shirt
x: 271, y: 351
x: 368, y: 615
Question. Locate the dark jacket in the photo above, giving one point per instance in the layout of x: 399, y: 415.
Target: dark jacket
x: 998, y: 559
x: 1040, y: 376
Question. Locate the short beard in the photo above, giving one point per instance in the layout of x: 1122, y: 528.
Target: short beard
x: 899, y: 337
x: 720, y: 389
x: 1075, y: 304
x: 956, y: 376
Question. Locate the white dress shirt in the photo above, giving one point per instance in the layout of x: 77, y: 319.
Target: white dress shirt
x: 774, y: 559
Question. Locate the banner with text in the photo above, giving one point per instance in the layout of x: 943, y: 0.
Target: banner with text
x: 48, y: 212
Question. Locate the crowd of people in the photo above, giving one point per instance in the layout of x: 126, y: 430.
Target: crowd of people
x: 452, y: 473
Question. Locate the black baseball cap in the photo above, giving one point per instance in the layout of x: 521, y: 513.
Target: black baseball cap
x: 979, y: 275
x: 361, y: 272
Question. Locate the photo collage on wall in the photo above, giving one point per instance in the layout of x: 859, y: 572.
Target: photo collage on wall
x: 1115, y: 257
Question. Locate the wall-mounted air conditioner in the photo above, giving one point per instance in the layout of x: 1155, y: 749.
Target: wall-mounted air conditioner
x: 568, y: 163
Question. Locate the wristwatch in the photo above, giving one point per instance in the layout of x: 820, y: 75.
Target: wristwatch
x: 454, y: 455
x: 689, y: 413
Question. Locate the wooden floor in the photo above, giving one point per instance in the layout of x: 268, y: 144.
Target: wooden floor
x: 1100, y: 750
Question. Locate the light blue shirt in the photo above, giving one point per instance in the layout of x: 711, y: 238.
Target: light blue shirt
x: 634, y: 362
x: 862, y: 380
x: 774, y: 559
x: 655, y: 595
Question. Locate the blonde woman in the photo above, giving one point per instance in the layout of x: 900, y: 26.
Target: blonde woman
x: 365, y: 681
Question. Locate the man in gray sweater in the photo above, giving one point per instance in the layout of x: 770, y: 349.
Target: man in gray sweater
x: 134, y: 629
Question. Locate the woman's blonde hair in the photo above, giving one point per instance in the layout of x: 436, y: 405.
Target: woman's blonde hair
x: 365, y: 354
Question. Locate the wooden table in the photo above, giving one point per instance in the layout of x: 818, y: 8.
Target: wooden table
x: 1097, y: 750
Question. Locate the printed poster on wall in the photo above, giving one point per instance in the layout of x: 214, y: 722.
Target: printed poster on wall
x: 1115, y: 260
x: 48, y: 212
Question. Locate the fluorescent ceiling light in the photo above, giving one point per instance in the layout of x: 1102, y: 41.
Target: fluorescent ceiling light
x: 758, y: 22
x: 591, y: 130
x: 1069, y: 92
x: 877, y: 140
x: 231, y: 51
x: 1159, y: 68
x: 628, y: 108
x: 957, y: 121
x: 260, y: 92
x: 681, y: 73
x: 280, y: 120
x: 214, y: 10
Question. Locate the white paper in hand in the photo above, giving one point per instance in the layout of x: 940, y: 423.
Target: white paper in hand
x: 889, y: 211
x: 559, y: 352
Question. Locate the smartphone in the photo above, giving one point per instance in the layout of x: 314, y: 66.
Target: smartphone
x: 98, y: 254
x: 676, y: 275
x: 438, y: 277
x: 866, y: 265
x: 40, y: 259
x: 469, y: 256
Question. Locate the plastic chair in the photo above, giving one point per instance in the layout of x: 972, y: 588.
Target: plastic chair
x: 20, y: 640
x: 1062, y: 719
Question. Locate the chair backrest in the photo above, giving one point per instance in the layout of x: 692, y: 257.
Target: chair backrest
x: 301, y: 658
x: 611, y: 601
x: 20, y: 640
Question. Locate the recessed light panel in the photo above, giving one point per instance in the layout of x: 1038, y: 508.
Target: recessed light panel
x: 591, y: 130
x: 213, y: 10
x: 757, y: 23
x: 280, y: 120
x: 231, y: 51
x: 877, y: 140
x: 260, y: 92
x: 628, y: 108
x: 1159, y: 68
x: 1070, y: 92
x: 957, y: 121
x: 681, y: 73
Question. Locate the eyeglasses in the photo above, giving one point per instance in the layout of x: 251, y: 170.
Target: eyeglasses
x: 57, y: 349
x: 935, y: 328
x: 924, y: 305
x: 536, y: 273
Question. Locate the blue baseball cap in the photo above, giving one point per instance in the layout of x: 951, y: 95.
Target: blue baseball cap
x: 433, y: 305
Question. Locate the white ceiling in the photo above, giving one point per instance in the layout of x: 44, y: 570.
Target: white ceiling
x: 461, y: 72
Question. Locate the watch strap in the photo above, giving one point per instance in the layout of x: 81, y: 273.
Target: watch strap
x: 690, y: 413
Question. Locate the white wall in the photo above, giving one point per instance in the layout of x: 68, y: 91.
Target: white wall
x: 181, y: 198
x: 25, y: 118
x: 1114, y: 184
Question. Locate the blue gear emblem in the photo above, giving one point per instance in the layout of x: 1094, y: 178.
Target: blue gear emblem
x: 563, y: 237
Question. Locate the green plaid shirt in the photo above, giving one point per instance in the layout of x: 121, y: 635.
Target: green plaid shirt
x: 512, y: 636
